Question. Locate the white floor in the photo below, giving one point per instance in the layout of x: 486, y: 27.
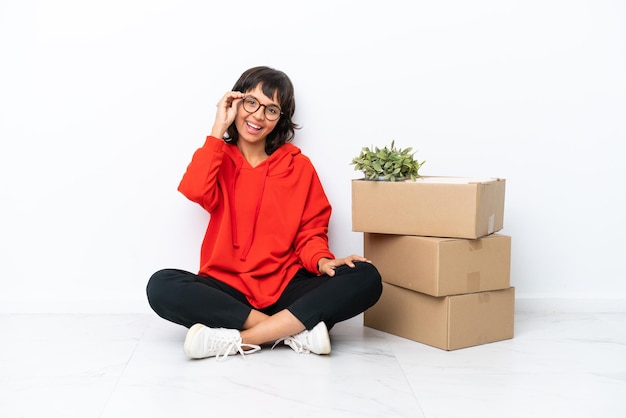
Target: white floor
x: 116, y: 366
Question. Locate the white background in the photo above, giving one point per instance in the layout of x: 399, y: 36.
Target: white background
x: 103, y: 103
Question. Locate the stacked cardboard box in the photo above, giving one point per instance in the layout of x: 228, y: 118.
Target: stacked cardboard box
x: 445, y: 269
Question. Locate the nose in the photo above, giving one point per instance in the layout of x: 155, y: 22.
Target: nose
x: 256, y: 112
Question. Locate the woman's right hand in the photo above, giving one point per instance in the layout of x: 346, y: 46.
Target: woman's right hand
x: 226, y: 112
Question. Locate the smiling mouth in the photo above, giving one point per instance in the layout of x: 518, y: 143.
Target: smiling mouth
x: 253, y: 126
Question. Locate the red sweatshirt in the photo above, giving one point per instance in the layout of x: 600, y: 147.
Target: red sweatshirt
x: 266, y: 222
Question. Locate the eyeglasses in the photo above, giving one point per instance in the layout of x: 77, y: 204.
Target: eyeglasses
x: 251, y: 105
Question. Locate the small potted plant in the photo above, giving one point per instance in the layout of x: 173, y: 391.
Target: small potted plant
x: 388, y: 163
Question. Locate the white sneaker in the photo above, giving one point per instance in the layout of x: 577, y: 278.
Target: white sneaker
x: 202, y: 341
x: 315, y: 341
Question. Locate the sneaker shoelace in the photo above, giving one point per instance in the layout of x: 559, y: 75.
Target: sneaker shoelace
x: 237, y: 346
x: 295, y: 342
x: 229, y: 346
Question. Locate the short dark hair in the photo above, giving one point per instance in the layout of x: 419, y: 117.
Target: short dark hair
x: 271, y: 81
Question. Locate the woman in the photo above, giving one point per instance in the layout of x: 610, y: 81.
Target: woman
x: 266, y: 271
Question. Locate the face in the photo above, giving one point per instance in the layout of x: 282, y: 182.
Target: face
x: 254, y: 127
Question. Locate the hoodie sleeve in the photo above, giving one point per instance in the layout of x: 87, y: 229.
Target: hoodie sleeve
x: 312, y: 237
x: 199, y: 183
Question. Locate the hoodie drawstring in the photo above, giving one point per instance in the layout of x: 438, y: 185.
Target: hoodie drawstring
x: 257, y: 209
x: 233, y: 215
x: 233, y: 212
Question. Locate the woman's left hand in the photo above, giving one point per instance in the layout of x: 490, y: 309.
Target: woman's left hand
x: 328, y: 266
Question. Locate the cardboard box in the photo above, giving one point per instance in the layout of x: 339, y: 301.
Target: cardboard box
x: 441, y: 266
x: 448, y: 322
x: 451, y: 207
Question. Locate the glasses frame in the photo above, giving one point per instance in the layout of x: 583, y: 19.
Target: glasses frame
x: 280, y: 111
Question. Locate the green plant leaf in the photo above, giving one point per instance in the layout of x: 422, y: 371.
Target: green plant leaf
x: 389, y: 163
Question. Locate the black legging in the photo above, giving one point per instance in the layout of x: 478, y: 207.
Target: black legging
x: 187, y: 299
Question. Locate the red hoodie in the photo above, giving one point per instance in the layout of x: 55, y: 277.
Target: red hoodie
x: 266, y: 222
